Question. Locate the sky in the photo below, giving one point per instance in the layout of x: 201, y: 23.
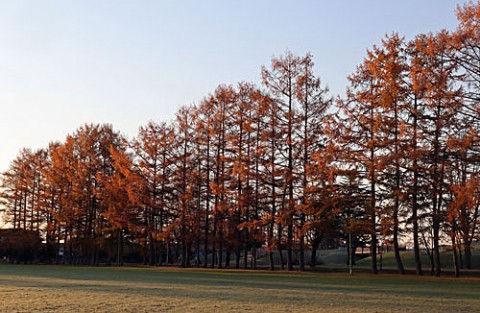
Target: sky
x: 65, y: 63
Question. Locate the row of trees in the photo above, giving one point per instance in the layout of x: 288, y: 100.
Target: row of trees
x: 278, y: 167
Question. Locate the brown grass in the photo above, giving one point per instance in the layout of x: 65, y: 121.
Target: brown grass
x: 87, y: 289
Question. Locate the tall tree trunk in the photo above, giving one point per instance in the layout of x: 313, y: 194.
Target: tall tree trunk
x: 290, y: 246
x: 227, y: 258
x: 373, y: 216
x: 279, y: 245
x: 436, y: 242
x: 207, y: 210
x: 438, y: 160
x: 184, y: 253
x: 270, y: 241
x: 220, y: 251
x: 237, y: 251
x: 119, y: 248
x: 315, y: 244
x: 214, y: 238
x: 197, y: 253
x: 468, y: 254
x: 456, y: 267
x: 302, y: 244
x: 396, y: 249
x: 273, y: 199
x: 245, y: 252
x: 416, y: 245
x: 291, y: 204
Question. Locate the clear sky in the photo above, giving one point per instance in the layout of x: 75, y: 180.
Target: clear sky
x: 65, y: 63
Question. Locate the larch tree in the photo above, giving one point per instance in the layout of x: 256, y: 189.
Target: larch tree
x: 441, y: 104
x: 184, y: 182
x: 239, y: 141
x: 416, y: 148
x: 389, y: 68
x: 362, y: 122
x: 120, y: 211
x: 313, y: 104
x: 281, y: 81
x: 204, y: 142
x: 466, y: 46
x: 153, y: 160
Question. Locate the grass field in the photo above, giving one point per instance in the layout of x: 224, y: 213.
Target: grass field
x: 45, y: 288
x: 409, y: 260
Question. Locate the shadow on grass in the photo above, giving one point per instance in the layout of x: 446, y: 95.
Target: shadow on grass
x: 155, y: 279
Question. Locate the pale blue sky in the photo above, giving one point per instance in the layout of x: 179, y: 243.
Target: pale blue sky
x: 65, y: 63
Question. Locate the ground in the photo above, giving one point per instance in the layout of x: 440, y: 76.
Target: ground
x: 47, y: 288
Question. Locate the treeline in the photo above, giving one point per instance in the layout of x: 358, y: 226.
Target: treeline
x: 279, y: 167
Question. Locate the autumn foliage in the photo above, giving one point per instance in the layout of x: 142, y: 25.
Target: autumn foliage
x: 277, y: 169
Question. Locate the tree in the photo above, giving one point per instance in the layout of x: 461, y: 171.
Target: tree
x: 441, y: 104
x: 361, y: 124
x: 153, y: 160
x: 119, y: 199
x: 281, y: 83
x: 313, y: 105
x: 185, y: 179
x: 77, y: 166
x: 389, y: 70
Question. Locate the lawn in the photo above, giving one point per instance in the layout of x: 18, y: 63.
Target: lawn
x: 408, y: 260
x: 46, y: 288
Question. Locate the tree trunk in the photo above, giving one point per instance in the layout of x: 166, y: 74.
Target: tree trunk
x: 214, y: 243
x: 302, y: 253
x: 227, y: 258
x: 436, y: 249
x: 184, y: 253
x: 237, y: 249
x: 313, y: 256
x: 289, y: 246
x: 416, y: 245
x: 468, y: 254
x: 207, y: 213
x: 279, y: 247
x: 197, y: 253
x: 220, y: 251
x: 119, y: 236
x: 456, y: 267
x: 245, y: 251
x: 396, y: 249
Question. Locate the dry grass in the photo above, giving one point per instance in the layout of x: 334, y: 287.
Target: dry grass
x: 87, y: 289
